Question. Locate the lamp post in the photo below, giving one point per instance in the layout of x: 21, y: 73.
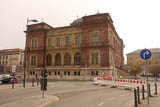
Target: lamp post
x: 25, y: 55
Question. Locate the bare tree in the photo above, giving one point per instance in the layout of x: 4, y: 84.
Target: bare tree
x: 155, y: 70
x: 135, y: 70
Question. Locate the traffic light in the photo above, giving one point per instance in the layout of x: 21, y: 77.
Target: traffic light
x: 44, y: 84
x: 44, y: 75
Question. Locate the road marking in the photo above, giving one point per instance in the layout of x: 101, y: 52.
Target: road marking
x: 101, y: 103
x: 56, y: 99
x: 122, y: 95
x: 75, y: 90
x: 112, y: 98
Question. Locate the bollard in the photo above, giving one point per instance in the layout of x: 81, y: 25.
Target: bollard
x: 155, y: 88
x: 149, y: 89
x: 142, y: 91
x: 135, y: 98
x: 13, y: 84
x: 138, y: 95
x: 37, y: 82
x: 32, y: 82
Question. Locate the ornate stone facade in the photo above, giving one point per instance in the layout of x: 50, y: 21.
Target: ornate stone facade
x: 89, y: 46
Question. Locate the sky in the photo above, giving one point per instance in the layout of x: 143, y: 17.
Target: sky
x: 137, y: 22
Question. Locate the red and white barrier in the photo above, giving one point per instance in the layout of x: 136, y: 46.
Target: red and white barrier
x: 119, y: 83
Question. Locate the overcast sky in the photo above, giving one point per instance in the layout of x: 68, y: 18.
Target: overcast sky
x: 137, y: 22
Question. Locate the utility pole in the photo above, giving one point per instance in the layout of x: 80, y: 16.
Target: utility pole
x: 25, y: 53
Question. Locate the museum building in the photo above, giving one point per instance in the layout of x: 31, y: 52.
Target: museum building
x: 88, y: 47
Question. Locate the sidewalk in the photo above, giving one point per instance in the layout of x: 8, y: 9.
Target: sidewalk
x: 33, y: 101
x: 153, y: 102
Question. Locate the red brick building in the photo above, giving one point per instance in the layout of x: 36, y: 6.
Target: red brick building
x: 89, y: 46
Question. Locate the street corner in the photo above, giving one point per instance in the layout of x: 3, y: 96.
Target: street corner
x: 33, y: 101
x: 51, y: 100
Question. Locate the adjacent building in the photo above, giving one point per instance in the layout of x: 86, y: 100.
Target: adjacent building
x: 134, y: 58
x: 11, y: 58
x: 89, y: 46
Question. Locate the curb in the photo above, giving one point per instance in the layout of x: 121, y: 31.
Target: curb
x: 50, y: 102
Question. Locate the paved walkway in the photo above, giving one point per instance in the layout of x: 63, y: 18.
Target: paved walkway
x: 33, y: 101
x: 153, y: 102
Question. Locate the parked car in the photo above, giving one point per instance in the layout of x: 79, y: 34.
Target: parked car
x: 6, y: 78
x: 15, y: 80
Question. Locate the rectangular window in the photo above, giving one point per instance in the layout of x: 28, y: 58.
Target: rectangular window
x: 59, y: 73
x: 130, y: 63
x: 34, y: 43
x: 64, y: 72
x: 33, y: 60
x: 58, y: 41
x: 68, y: 73
x: 94, y: 58
x: 67, y: 40
x: 55, y: 73
x: 130, y: 58
x: 49, y: 42
x: 78, y: 40
x: 94, y: 38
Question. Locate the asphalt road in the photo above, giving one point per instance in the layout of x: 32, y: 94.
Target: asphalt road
x: 95, y: 97
x: 71, y: 94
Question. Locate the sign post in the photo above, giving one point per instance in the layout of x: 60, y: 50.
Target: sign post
x: 13, y: 68
x: 146, y: 54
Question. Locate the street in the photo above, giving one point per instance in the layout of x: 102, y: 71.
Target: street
x: 71, y: 94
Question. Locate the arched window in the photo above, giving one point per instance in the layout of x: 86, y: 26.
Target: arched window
x: 49, y: 42
x: 67, y: 59
x: 58, y: 59
x: 77, y: 59
x: 49, y: 59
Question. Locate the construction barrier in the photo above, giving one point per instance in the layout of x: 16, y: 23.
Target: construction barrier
x: 119, y: 83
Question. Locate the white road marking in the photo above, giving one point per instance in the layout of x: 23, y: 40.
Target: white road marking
x: 101, y: 103
x: 122, y: 95
x: 75, y: 90
x: 112, y: 98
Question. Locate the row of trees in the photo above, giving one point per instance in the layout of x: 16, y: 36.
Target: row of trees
x: 137, y: 69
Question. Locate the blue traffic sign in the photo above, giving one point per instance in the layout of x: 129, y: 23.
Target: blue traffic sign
x: 145, y: 54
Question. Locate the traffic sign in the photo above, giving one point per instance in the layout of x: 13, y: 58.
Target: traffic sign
x: 145, y: 54
x: 13, y: 68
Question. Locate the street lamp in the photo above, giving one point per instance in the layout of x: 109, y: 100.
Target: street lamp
x: 25, y: 55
